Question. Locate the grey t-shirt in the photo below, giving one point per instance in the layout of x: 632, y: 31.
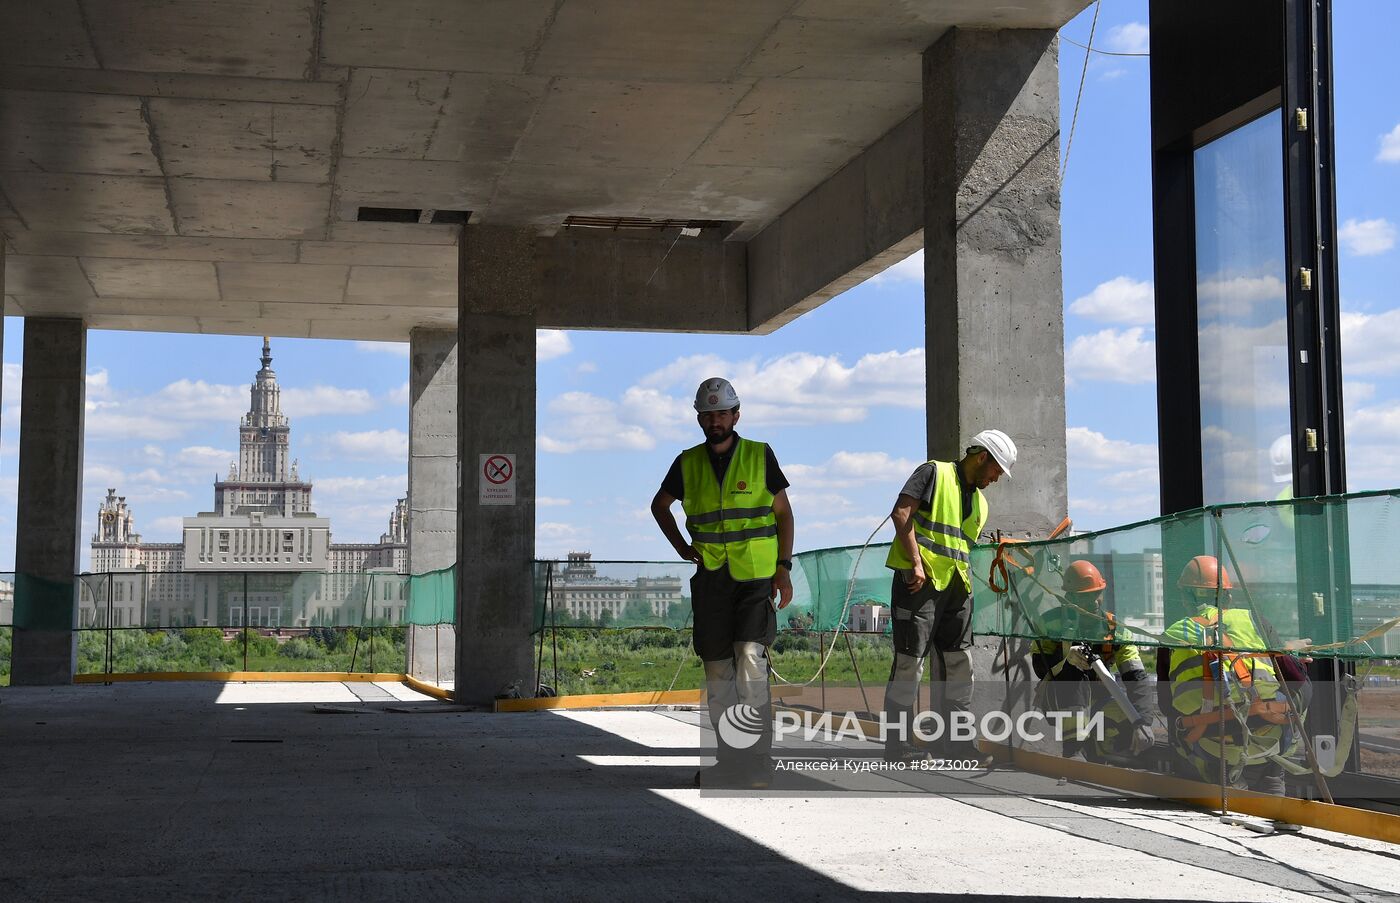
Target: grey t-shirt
x: 924, y: 480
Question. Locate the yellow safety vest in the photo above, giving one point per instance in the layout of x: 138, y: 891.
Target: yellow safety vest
x: 733, y: 523
x: 945, y: 539
x: 1250, y: 687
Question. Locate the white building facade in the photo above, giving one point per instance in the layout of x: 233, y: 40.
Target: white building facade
x: 261, y: 558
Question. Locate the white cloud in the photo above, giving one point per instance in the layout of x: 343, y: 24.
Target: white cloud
x: 399, y: 397
x: 1121, y: 300
x: 846, y: 469
x: 582, y: 422
x: 1129, y: 38
x: 1369, y: 342
x: 1365, y: 238
x: 98, y: 385
x: 398, y: 349
x: 316, y: 400
x: 1093, y: 450
x: 13, y: 376
x: 1354, y: 391
x: 861, y: 525
x: 1112, y: 356
x: 187, y: 399
x: 202, y: 458
x: 910, y: 269
x: 586, y: 367
x: 1390, y: 147
x: 164, y: 529
x: 545, y: 501
x: 388, y: 485
x: 1226, y: 296
x: 551, y: 343
x: 797, y: 388
x: 371, y: 444
x: 109, y: 424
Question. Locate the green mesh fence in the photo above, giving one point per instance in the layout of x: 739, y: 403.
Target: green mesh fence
x: 581, y: 592
x: 1316, y: 574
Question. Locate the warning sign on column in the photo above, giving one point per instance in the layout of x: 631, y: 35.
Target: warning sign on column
x: 497, y: 479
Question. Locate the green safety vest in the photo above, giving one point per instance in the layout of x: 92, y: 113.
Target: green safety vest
x: 945, y: 539
x: 1252, y: 681
x: 733, y: 523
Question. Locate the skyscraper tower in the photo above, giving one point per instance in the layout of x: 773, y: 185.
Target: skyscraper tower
x: 263, y: 479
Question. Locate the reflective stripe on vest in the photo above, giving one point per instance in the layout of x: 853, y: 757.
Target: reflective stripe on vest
x: 733, y: 524
x: 1250, y: 686
x: 945, y: 539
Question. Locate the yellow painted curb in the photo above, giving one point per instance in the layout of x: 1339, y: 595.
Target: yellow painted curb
x: 1327, y: 816
x: 609, y: 700
x: 427, y: 689
x: 244, y: 676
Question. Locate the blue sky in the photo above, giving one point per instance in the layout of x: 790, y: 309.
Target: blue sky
x: 839, y: 393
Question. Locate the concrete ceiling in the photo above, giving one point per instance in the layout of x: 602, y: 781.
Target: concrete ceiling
x: 198, y: 165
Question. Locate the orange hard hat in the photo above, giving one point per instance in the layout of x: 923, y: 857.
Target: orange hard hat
x: 1203, y: 572
x: 1082, y: 577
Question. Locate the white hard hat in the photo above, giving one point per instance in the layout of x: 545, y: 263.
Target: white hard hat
x: 715, y: 394
x: 1002, y: 449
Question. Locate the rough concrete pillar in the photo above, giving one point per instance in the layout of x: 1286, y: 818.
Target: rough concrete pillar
x: 499, y: 284
x: 49, y: 514
x: 994, y: 318
x: 432, y: 487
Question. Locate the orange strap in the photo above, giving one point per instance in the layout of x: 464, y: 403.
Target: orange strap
x: 1004, y: 558
x: 1273, y: 711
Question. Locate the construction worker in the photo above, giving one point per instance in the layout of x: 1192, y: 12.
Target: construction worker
x: 937, y: 517
x: 740, y: 524
x: 1074, y: 635
x: 1257, y: 728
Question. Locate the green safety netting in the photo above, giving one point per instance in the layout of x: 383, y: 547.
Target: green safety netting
x: 587, y: 593
x: 1317, y: 574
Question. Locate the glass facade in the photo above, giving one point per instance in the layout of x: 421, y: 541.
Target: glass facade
x: 1242, y: 315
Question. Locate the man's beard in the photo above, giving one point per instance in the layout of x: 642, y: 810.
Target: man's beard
x: 712, y: 439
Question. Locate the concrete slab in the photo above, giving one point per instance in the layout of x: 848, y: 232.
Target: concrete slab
x: 867, y: 50
x: 59, y: 276
x: 368, y: 253
x: 282, y: 282
x: 240, y: 140
x: 248, y: 38
x: 188, y: 785
x: 47, y: 34
x: 808, y: 122
x: 85, y: 203
x: 683, y: 40
x: 606, y: 123
x: 437, y: 115
x: 114, y: 277
x: 483, y: 36
x: 154, y: 247
x: 250, y: 209
x: 415, y: 184
x: 47, y: 131
x: 418, y: 286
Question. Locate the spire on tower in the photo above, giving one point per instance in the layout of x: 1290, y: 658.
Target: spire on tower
x: 267, y: 353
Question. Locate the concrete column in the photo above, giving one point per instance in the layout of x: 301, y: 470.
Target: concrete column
x: 499, y: 284
x: 994, y: 318
x: 50, y: 499
x: 432, y: 487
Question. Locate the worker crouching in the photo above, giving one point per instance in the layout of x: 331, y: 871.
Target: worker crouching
x: 1220, y: 703
x: 1077, y: 661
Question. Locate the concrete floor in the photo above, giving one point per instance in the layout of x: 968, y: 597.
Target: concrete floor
x: 248, y: 792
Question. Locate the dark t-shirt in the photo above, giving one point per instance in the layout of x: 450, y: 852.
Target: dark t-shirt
x: 674, y: 484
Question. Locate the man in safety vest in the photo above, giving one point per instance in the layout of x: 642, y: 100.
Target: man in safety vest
x: 1072, y: 636
x: 1197, y: 675
x: 740, y: 524
x: 939, y: 514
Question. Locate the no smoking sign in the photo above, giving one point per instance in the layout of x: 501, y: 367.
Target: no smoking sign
x: 497, y: 483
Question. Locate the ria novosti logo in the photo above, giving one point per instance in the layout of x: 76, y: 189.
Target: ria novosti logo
x: 740, y: 726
